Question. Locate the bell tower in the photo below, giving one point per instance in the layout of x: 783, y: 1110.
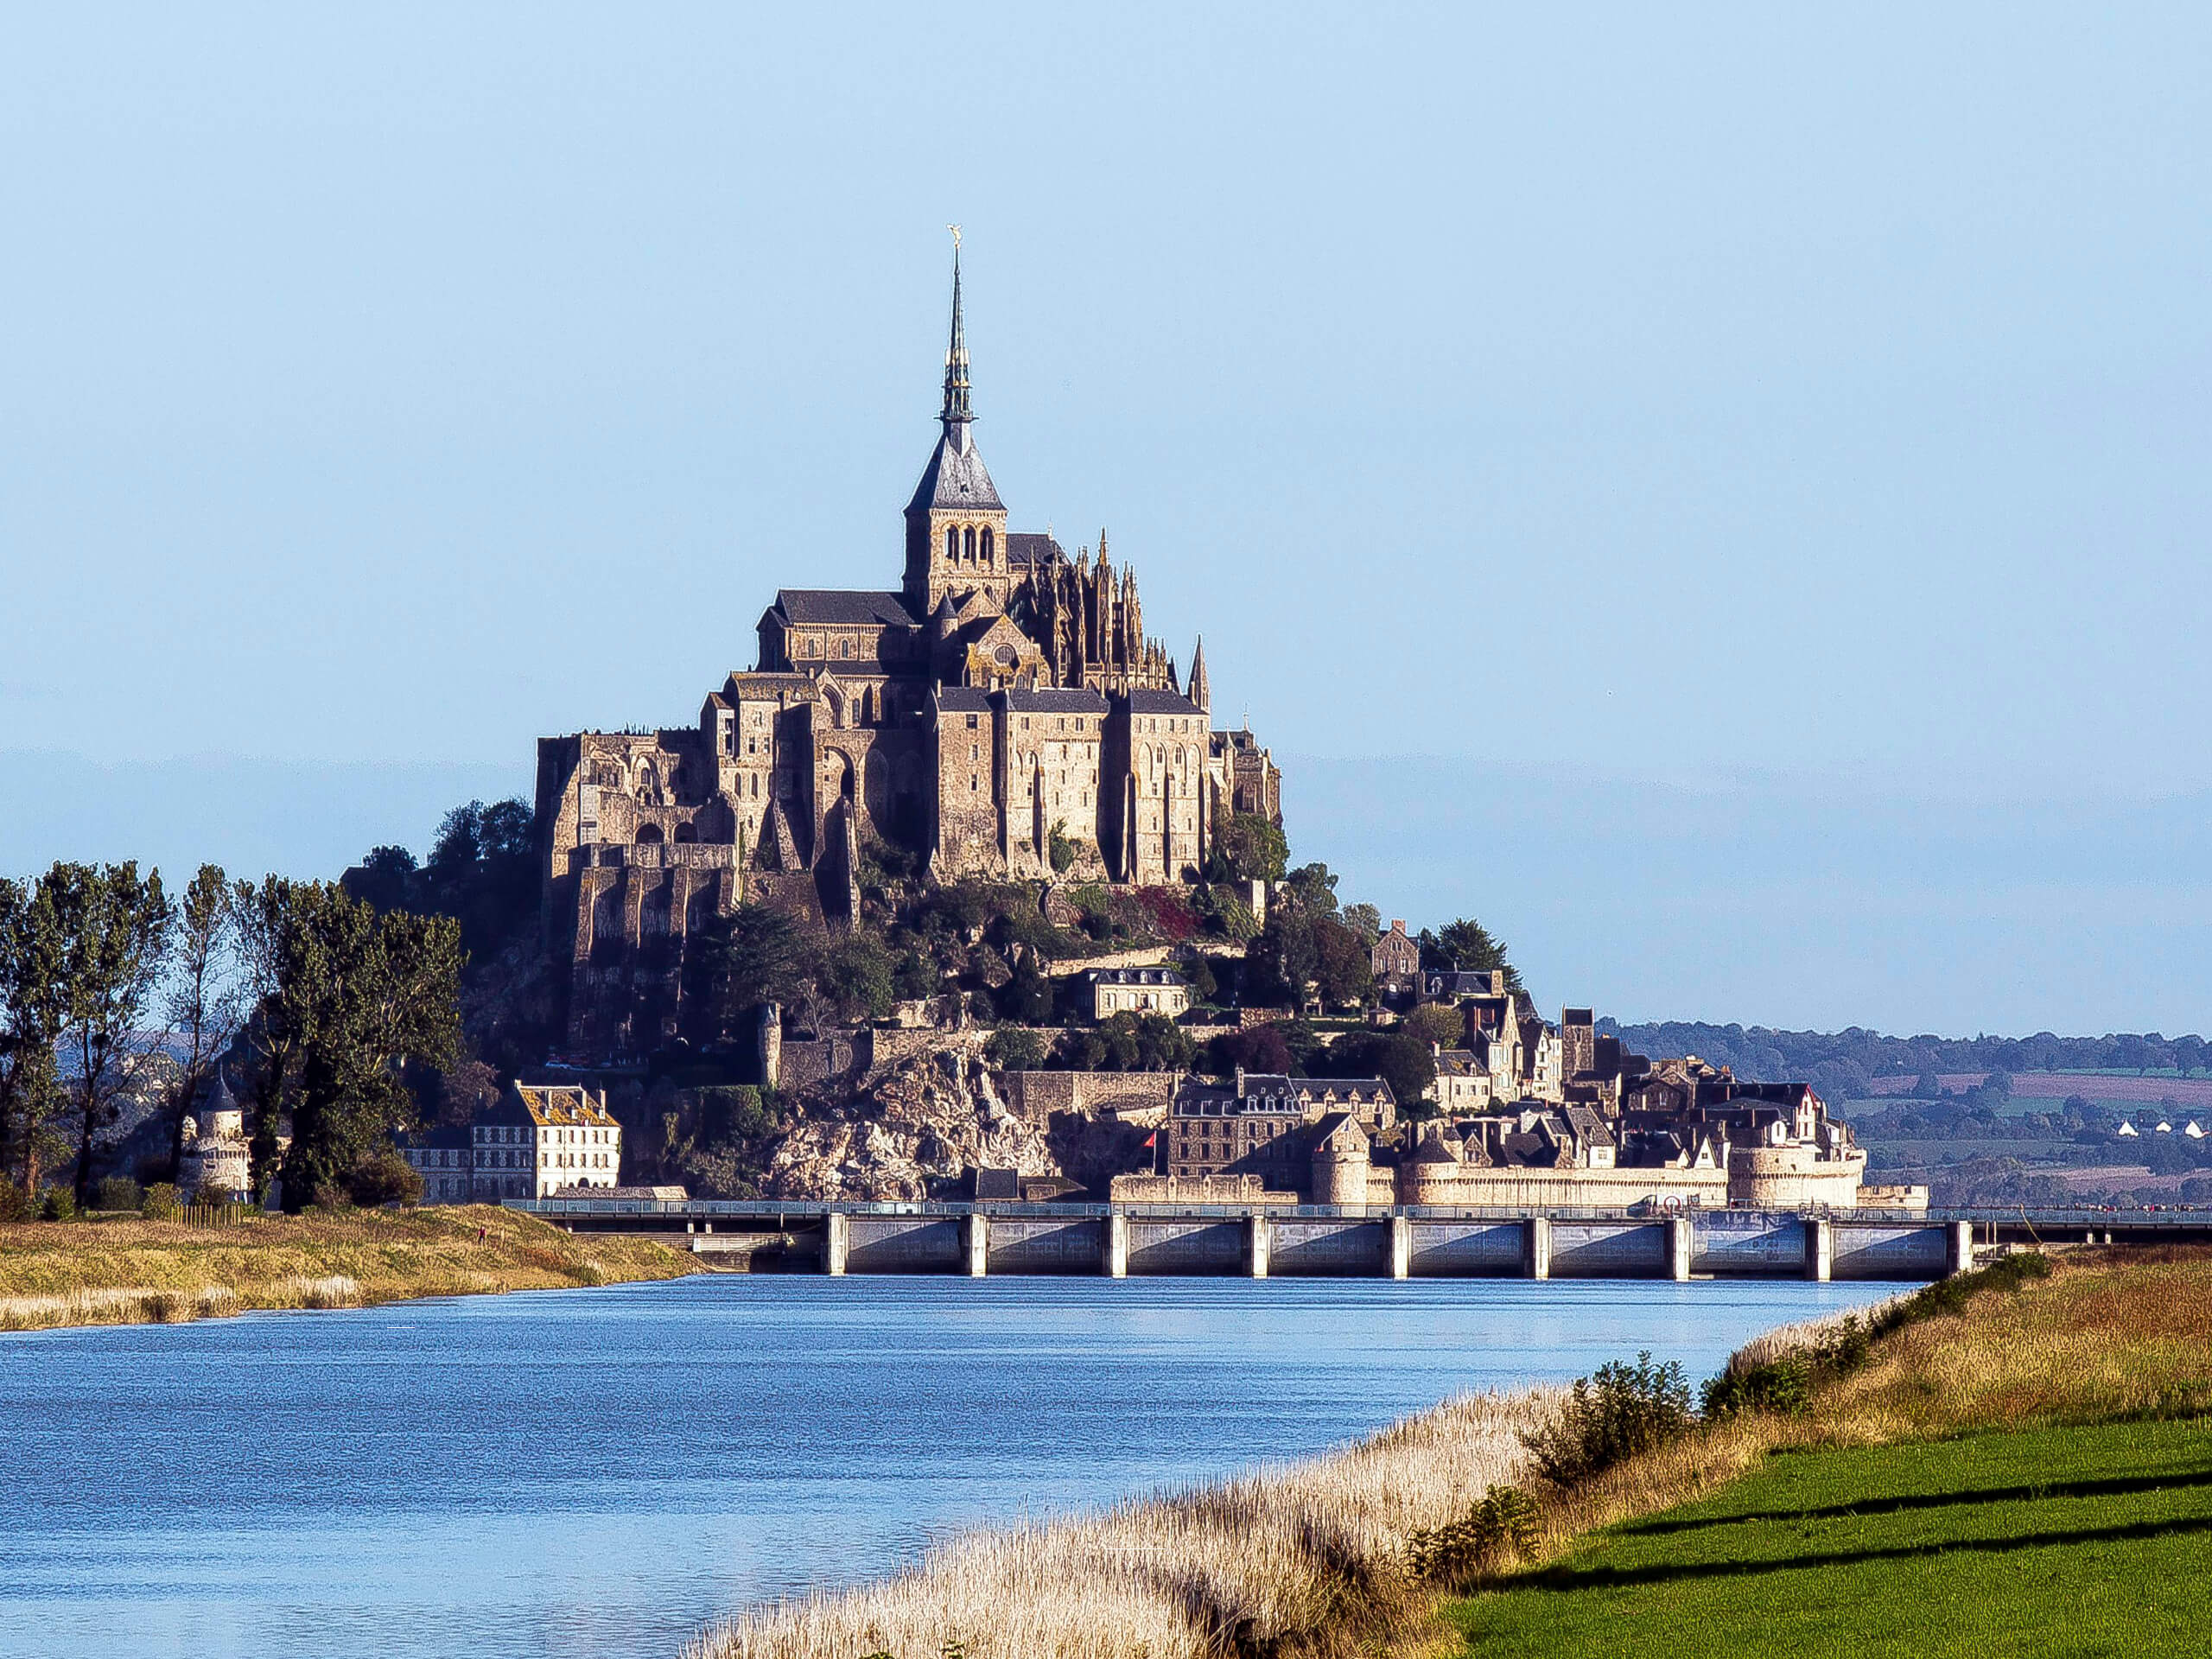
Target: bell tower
x: 955, y: 523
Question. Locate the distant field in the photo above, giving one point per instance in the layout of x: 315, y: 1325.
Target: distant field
x: 2054, y: 1542
x: 2056, y: 1085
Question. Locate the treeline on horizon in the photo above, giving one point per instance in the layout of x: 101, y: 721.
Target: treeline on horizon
x: 1843, y: 1065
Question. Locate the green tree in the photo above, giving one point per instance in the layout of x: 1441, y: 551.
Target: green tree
x: 262, y: 915
x: 1405, y: 1063
x: 1344, y: 964
x: 1467, y: 946
x: 30, y: 1024
x: 205, y: 1000
x: 1438, y: 1023
x: 1027, y: 996
x: 1313, y: 889
x: 756, y: 954
x: 114, y: 926
x: 1197, y: 972
x: 1246, y: 848
x: 1013, y: 1048
x: 1364, y: 920
x: 366, y: 994
x: 856, y: 976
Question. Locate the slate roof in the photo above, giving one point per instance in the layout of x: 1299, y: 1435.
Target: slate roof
x: 1055, y: 700
x: 954, y: 478
x: 1134, y: 977
x: 835, y: 605
x: 1162, y: 702
x: 963, y: 699
x: 1028, y: 547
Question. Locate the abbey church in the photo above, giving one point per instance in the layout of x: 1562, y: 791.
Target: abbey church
x: 1000, y: 713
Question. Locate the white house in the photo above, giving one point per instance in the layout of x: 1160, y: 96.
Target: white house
x: 543, y: 1139
x: 1137, y: 990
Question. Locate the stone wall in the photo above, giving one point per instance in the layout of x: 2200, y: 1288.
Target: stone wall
x: 1604, y: 1189
x: 1036, y: 1095
x: 1790, y: 1178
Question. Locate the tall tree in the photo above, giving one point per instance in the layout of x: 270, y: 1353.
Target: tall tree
x: 206, y: 1000
x: 367, y: 995
x: 114, y: 926
x: 756, y: 954
x: 1467, y: 946
x: 30, y: 1024
x: 263, y: 916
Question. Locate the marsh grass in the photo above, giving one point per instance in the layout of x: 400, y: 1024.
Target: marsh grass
x: 1322, y: 1559
x: 2109, y: 1337
x: 1309, y: 1558
x: 133, y: 1271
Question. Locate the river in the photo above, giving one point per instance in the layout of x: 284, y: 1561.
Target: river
x: 563, y: 1473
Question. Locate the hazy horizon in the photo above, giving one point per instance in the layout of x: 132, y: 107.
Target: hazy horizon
x: 1757, y: 457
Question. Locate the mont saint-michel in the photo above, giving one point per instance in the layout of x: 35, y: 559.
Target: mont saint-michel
x: 1001, y: 712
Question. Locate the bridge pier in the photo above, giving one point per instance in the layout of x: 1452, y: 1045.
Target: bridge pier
x: 1959, y: 1256
x: 1820, y: 1250
x: 1401, y: 1246
x: 837, y: 1242
x: 1536, y: 1246
x: 1259, y: 1235
x: 1678, y: 1247
x: 977, y: 1236
x: 1114, y: 1245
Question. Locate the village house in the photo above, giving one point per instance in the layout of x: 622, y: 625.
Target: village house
x: 541, y: 1140
x: 1396, y: 961
x: 1137, y: 990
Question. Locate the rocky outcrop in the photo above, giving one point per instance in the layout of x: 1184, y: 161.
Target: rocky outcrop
x: 907, y: 1131
x: 910, y: 1128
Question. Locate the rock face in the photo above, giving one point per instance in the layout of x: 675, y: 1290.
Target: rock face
x: 907, y: 1131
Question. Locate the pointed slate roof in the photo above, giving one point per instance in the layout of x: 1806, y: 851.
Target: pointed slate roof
x: 956, y: 476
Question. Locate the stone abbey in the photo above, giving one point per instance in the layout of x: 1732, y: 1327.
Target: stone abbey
x: 1002, y: 713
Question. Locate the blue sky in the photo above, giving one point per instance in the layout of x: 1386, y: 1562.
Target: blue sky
x: 1757, y: 459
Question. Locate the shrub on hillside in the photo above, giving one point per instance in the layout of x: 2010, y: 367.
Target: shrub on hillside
x: 118, y: 1192
x: 59, y: 1204
x: 1505, y: 1521
x: 1621, y: 1410
x: 1014, y: 1048
x: 383, y: 1178
x: 161, y: 1203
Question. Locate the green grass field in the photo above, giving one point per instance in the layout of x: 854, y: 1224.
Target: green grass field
x: 2050, y: 1541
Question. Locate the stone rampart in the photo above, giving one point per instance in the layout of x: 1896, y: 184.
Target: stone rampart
x: 1596, y: 1189
x: 1037, y: 1096
x: 1792, y: 1177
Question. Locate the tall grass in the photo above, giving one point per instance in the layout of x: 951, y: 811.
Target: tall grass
x: 141, y: 1304
x: 131, y: 1270
x: 1308, y: 1557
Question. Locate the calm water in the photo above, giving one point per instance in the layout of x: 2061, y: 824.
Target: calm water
x: 602, y: 1471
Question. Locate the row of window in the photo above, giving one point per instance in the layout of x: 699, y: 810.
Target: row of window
x: 963, y: 546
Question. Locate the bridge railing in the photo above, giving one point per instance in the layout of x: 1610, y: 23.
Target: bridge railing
x: 2187, y: 1217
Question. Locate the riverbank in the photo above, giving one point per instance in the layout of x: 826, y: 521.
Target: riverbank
x: 2028, y: 1469
x: 1322, y: 1558
x: 1302, y: 1558
x: 129, y: 1271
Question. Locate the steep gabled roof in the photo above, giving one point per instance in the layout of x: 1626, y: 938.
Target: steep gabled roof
x: 832, y: 606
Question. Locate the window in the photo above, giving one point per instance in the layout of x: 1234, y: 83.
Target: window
x: 987, y: 546
x: 952, y: 544
x: 967, y: 548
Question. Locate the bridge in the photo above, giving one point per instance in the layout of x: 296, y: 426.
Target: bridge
x: 1259, y: 1240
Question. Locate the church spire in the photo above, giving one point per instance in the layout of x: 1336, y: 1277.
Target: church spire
x: 1201, y: 687
x: 955, y: 412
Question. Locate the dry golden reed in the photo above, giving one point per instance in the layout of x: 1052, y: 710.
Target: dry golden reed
x: 121, y: 1271
x: 1309, y: 1552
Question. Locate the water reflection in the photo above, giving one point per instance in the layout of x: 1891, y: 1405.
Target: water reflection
x: 601, y: 1471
